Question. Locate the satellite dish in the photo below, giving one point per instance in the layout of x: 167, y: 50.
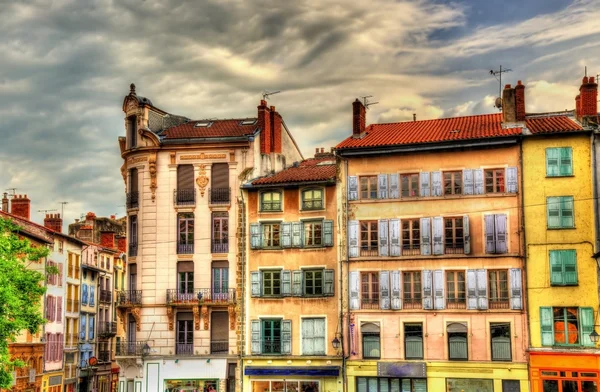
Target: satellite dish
x: 498, y: 103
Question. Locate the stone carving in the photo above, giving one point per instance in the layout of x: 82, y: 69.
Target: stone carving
x: 205, y: 317
x: 196, y: 310
x: 171, y: 316
x: 124, y: 173
x: 137, y: 315
x: 231, y: 317
x: 172, y: 156
x: 202, y: 180
x: 152, y: 169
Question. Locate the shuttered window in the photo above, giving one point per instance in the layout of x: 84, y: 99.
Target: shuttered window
x: 496, y: 233
x: 560, y: 212
x: 368, y: 187
x: 559, y: 161
x: 271, y: 337
x: 271, y: 283
x: 453, y: 235
x: 411, y: 237
x: 313, y: 282
x: 495, y: 181
x: 368, y: 238
x: 412, y: 298
x: 371, y: 343
x: 271, y: 235
x: 500, y: 336
x: 563, y: 267
x: 409, y: 185
x: 566, y: 326
x: 453, y: 183
x: 220, y: 176
x: 369, y: 290
x: 456, y: 289
x: 457, y: 341
x: 498, y: 286
x: 185, y: 244
x: 313, y: 233
x: 313, y: 336
x: 185, y: 183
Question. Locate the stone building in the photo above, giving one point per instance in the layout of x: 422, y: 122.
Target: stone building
x: 91, y: 228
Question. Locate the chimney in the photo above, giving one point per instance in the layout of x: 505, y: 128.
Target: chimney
x: 275, y: 131
x: 122, y: 244
x: 5, y: 202
x: 414, y: 116
x: 509, y: 110
x: 588, y: 103
x: 264, y: 123
x: 113, y: 217
x: 21, y: 206
x: 90, y: 218
x: 53, y: 222
x: 358, y: 119
x: 107, y: 239
x: 520, y: 101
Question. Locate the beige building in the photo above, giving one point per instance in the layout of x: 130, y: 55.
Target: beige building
x: 182, y: 180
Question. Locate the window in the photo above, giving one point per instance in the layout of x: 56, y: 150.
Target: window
x: 220, y: 281
x: 313, y: 336
x: 271, y: 283
x: 368, y: 187
x: 453, y: 183
x: 133, y: 232
x: 371, y: 344
x: 61, y: 245
x: 220, y: 232
x: 369, y: 290
x: 219, y: 193
x: 91, y: 323
x: 494, y: 181
x: 312, y: 199
x: 271, y: 235
x: 313, y: 233
x: 84, y: 294
x: 412, y: 290
x: 457, y: 341
x: 185, y: 244
x: 368, y: 238
x: 185, y: 281
x: 559, y: 161
x: 498, y: 286
x: 563, y: 267
x: 185, y: 193
x: 413, y: 341
x: 384, y: 384
x: 560, y: 212
x: 411, y: 238
x: 313, y: 282
x: 185, y: 334
x: 453, y: 235
x: 409, y: 185
x: 271, y: 337
x: 132, y: 131
x: 500, y: 333
x: 455, y: 286
x: 566, y: 326
x: 92, y: 294
x: 270, y: 201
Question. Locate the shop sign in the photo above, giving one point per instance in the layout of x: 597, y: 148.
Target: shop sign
x: 402, y: 369
x: 469, y: 384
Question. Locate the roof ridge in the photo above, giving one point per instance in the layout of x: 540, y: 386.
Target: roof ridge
x: 435, y: 119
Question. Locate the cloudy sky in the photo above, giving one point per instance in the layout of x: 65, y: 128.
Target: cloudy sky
x: 65, y: 66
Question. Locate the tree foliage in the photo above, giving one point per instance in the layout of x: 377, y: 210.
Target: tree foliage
x: 21, y: 291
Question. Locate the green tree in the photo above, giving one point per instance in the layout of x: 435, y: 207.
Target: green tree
x: 21, y: 291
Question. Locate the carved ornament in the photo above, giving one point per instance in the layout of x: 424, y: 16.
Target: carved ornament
x: 231, y: 317
x: 205, y: 317
x: 203, y: 156
x: 196, y: 311
x: 171, y: 316
x: 202, y: 180
x: 172, y: 157
x: 137, y: 159
x: 124, y: 172
x: 137, y: 315
x: 152, y: 169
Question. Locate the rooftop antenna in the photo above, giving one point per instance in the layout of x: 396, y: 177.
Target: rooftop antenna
x: 266, y: 94
x: 498, y: 75
x: 62, y: 208
x: 13, y: 190
x: 47, y: 211
x: 366, y: 102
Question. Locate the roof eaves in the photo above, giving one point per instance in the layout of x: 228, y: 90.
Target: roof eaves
x: 289, y: 184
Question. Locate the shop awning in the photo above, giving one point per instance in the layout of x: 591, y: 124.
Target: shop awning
x: 323, y: 371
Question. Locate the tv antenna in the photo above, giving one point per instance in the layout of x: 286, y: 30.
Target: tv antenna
x: 266, y: 94
x: 366, y: 102
x: 13, y: 190
x: 498, y: 75
x: 62, y: 208
x: 47, y: 211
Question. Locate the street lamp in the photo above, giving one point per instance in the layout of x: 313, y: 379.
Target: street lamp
x: 146, y: 350
x: 335, y: 343
x: 594, y: 336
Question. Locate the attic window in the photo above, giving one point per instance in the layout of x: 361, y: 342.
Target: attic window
x: 326, y: 163
x: 251, y: 121
x: 455, y: 131
x: 203, y: 124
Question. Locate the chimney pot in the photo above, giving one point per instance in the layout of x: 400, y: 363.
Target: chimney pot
x: 585, y: 80
x: 21, y: 207
x: 507, y: 86
x: 53, y: 222
x: 414, y: 116
x: 591, y: 80
x: 316, y: 150
x: 588, y: 100
x: 358, y: 119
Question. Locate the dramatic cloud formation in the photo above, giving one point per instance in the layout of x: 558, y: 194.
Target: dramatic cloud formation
x: 66, y: 65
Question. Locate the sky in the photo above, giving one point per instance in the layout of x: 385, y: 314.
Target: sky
x: 66, y: 65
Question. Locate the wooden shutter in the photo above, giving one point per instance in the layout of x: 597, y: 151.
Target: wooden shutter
x: 298, y: 277
x: 133, y: 180
x: 500, y: 233
x: 566, y: 211
x: 425, y: 184
x: 286, y: 234
x: 382, y: 179
x: 427, y: 282
x: 286, y: 282
x: 297, y: 234
x: 547, y: 325
x: 512, y: 185
x: 569, y: 261
x: 553, y: 206
x: 352, y: 188
x: 384, y: 290
x: 466, y: 235
x: 566, y: 161
x: 219, y: 328
x: 286, y: 337
x: 353, y: 238
x: 255, y: 346
x: 219, y: 176
x: 328, y: 282
x: 425, y: 236
x: 394, y: 237
x: 255, y: 236
x: 438, y: 289
x: 482, y: 289
x: 556, y: 268
x: 328, y: 232
x: 478, y: 181
x: 436, y: 183
x: 256, y: 281
x: 552, y: 157
x: 586, y: 320
x: 471, y: 289
x: 516, y: 289
x: 383, y: 237
x: 490, y: 234
x: 185, y: 177
x: 354, y: 289
x: 467, y: 181
x: 394, y: 186
x: 396, y: 288
x: 59, y: 309
x: 438, y: 235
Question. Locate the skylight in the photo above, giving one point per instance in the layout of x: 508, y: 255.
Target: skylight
x: 203, y: 124
x: 250, y: 121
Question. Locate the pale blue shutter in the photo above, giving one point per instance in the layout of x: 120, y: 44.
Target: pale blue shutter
x: 566, y: 211
x: 569, y: 260
x: 396, y: 284
x: 84, y: 294
x: 471, y: 289
x: 438, y: 289
x: 482, y: 289
x: 436, y: 183
x: 383, y: 238
x: 468, y: 181
x: 478, y: 180
x: 395, y: 237
x: 319, y: 336
x: 256, y: 280
x: 427, y: 281
x: 556, y: 268
x: 255, y: 237
x: 466, y: 235
x: 547, y: 325
x: 566, y: 161
x: 352, y: 188
x: 328, y: 282
x: 552, y: 156
x: 286, y: 337
x: 92, y: 295
x: 512, y: 185
x: 328, y: 233
x: 586, y: 319
x: 425, y: 236
x: 354, y: 289
x: 353, y: 238
x: 384, y: 290
x: 297, y: 234
x: 516, y: 289
x: 500, y: 232
x: 297, y: 277
x: 383, y: 186
x: 490, y: 234
x: 286, y: 282
x: 553, y: 205
x: 425, y: 184
x: 394, y: 186
x: 438, y: 235
x: 286, y: 234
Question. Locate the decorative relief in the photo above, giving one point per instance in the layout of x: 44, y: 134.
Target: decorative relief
x: 124, y: 173
x: 137, y: 159
x: 137, y: 315
x: 196, y: 310
x: 202, y: 180
x: 122, y: 316
x: 203, y: 156
x: 172, y: 156
x: 205, y: 317
x: 231, y: 317
x: 171, y: 316
x: 152, y: 169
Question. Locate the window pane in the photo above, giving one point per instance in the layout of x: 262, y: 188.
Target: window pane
x: 371, y: 346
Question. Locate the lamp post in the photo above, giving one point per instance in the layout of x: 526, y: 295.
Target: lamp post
x: 146, y: 350
x: 335, y: 343
x: 594, y: 336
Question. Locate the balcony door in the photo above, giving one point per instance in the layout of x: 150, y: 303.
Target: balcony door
x: 185, y: 184
x: 185, y: 334
x: 220, y: 286
x: 219, y: 333
x: 185, y: 281
x: 271, y: 336
x: 220, y: 233
x: 131, y: 328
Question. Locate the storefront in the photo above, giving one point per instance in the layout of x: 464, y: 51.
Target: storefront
x: 379, y: 376
x: 477, y: 376
x: 564, y: 372
x: 192, y: 385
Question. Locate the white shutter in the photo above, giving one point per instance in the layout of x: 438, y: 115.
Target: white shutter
x: 394, y: 186
x: 256, y: 280
x: 468, y: 181
x: 478, y: 180
x: 436, y: 183
x: 352, y: 188
x: 471, y: 289
x: 394, y: 237
x: 255, y: 237
x: 383, y: 238
x: 286, y: 282
x: 516, y: 290
x: 297, y: 283
x: 354, y: 290
x: 297, y: 234
x: 286, y: 337
x: 425, y: 184
x: 383, y: 186
x: 438, y: 235
x: 482, y: 288
x: 438, y: 289
x: 396, y: 283
x: 286, y: 234
x: 511, y: 180
x: 425, y: 236
x: 466, y: 235
x: 490, y: 233
x: 500, y: 233
x: 353, y: 238
x: 255, y: 338
x: 384, y: 290
x: 427, y: 278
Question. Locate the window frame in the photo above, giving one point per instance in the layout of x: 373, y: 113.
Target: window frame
x: 496, y: 186
x: 499, y: 324
x: 272, y: 232
x: 559, y: 161
x: 372, y: 236
x: 313, y: 233
x: 499, y: 301
x: 561, y: 254
x: 458, y: 334
x: 313, y: 271
x: 371, y: 183
x: 410, y: 185
x: 561, y: 202
x: 566, y: 330
x: 373, y: 335
x: 413, y: 324
x: 369, y: 299
x: 262, y: 201
x: 413, y: 303
x: 414, y: 240
x: 457, y: 245
x: 456, y: 176
x: 273, y: 281
x: 263, y: 322
x: 456, y: 302
x: 304, y: 202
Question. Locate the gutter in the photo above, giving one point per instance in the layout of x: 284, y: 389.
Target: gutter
x: 289, y: 184
x: 206, y: 140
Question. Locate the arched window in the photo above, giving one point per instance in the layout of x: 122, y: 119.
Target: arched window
x: 457, y: 341
x: 270, y: 201
x: 312, y: 199
x: 371, y: 340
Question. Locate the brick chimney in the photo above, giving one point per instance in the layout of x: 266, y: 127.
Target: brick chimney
x: 509, y: 107
x: 5, y: 202
x: 358, y: 119
x: 21, y: 206
x: 275, y: 131
x: 520, y: 101
x: 264, y: 123
x: 588, y: 99
x: 122, y: 244
x: 53, y: 222
x: 107, y: 239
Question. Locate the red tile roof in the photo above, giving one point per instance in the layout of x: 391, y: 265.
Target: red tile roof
x: 552, y: 124
x: 315, y: 169
x: 217, y: 128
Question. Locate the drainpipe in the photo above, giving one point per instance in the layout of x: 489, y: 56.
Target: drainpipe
x: 524, y: 249
x: 596, y: 213
x: 243, y: 301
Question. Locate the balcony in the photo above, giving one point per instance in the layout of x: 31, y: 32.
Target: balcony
x: 220, y: 246
x: 270, y: 346
x: 105, y: 296
x: 132, y: 200
x: 104, y: 356
x: 369, y: 304
x: 127, y: 298
x: 200, y: 296
x: 184, y: 349
x: 184, y: 197
x: 412, y: 303
x: 107, y: 329
x: 130, y: 348
x: 219, y: 195
x: 368, y: 252
x: 133, y: 248
x: 499, y: 303
x: 219, y: 347
x: 456, y: 303
x: 411, y: 250
x: 185, y: 249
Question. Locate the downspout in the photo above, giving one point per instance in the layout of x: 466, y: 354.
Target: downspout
x: 596, y: 214
x: 243, y: 301
x: 524, y: 249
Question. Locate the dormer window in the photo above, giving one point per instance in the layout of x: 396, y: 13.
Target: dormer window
x: 203, y: 124
x: 312, y: 199
x: 270, y: 201
x: 132, y: 131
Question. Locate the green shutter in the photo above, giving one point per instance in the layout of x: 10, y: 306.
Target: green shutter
x: 566, y: 211
x: 552, y: 157
x: 586, y: 320
x: 566, y: 161
x: 556, y: 268
x: 328, y: 233
x: 546, y: 326
x: 553, y: 207
x: 569, y: 260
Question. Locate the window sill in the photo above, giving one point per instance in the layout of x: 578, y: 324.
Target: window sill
x: 271, y: 212
x: 561, y: 228
x: 564, y: 285
x: 559, y: 176
x: 312, y: 210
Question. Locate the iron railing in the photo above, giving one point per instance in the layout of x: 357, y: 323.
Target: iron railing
x: 220, y: 246
x: 133, y: 248
x: 106, y: 296
x: 369, y: 252
x: 219, y: 195
x: 195, y: 296
x: 499, y: 303
x: 133, y: 200
x: 369, y: 304
x: 454, y: 250
x: 270, y: 346
x: 184, y: 349
x: 185, y: 249
x: 219, y: 346
x: 107, y: 329
x: 184, y: 197
x: 408, y: 250
x: 412, y: 303
x: 104, y: 356
x: 129, y: 298
x: 127, y: 348
x: 456, y: 303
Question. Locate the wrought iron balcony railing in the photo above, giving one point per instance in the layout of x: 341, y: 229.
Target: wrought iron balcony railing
x: 219, y: 346
x: 129, y: 298
x: 130, y: 348
x: 184, y: 197
x: 133, y: 248
x: 220, y: 246
x: 132, y: 200
x: 185, y: 249
x: 369, y: 304
x: 105, y: 296
x: 177, y: 297
x: 184, y: 349
x: 219, y: 195
x: 107, y: 329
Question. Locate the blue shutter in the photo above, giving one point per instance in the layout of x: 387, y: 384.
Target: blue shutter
x: 297, y: 234
x: 298, y: 280
x: 255, y: 236
x: 84, y: 294
x: 471, y: 289
x: 511, y: 180
x: 328, y: 282
x: 586, y: 319
x: 468, y: 181
x: 286, y: 337
x: 394, y: 186
x: 547, y: 325
x: 383, y: 186
x: 482, y: 289
x: 352, y: 188
x: 425, y: 236
x: 478, y: 180
x: 438, y: 235
x: 552, y: 157
x: 255, y: 346
x: 353, y: 238
x: 91, y: 328
x: 92, y: 295
x: 396, y: 289
x: 556, y: 268
x: 286, y: 234
x: 286, y: 282
x: 566, y: 161
x: 425, y: 184
x: 384, y: 290
x: 427, y: 281
x: 82, y: 328
x: 394, y: 237
x: 354, y: 289
x: 466, y: 235
x: 256, y: 281
x: 438, y: 289
x: 328, y: 233
x: 436, y: 183
x: 383, y: 237
x: 516, y: 289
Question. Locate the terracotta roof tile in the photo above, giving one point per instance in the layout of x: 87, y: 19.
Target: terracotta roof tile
x: 217, y: 128
x: 552, y: 124
x: 316, y: 169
